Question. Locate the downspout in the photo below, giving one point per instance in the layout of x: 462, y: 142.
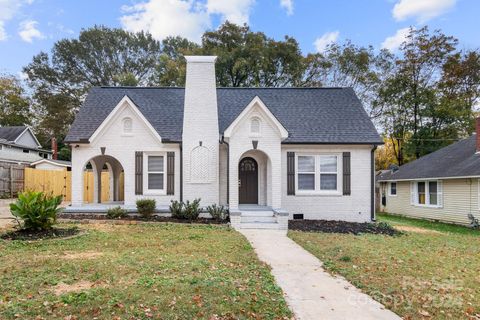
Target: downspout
x: 228, y: 169
x: 181, y: 172
x: 372, y: 187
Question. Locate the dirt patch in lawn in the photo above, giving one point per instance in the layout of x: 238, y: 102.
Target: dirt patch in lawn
x: 63, y: 288
x: 54, y: 233
x: 328, y: 226
x: 417, y: 230
x: 81, y: 255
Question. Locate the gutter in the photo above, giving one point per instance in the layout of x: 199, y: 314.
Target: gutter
x: 372, y: 183
x: 228, y: 169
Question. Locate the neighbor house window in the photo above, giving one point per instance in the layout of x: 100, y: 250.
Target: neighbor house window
x: 393, y: 188
x: 317, y: 173
x: 155, y: 172
x: 427, y: 193
x: 26, y: 151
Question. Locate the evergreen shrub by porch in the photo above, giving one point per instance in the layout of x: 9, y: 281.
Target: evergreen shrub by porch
x: 146, y: 207
x: 185, y: 210
x: 116, y: 213
x: 218, y: 212
x: 36, y: 210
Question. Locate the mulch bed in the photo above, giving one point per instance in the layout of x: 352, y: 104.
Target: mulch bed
x: 54, y: 233
x: 154, y: 218
x: 342, y: 227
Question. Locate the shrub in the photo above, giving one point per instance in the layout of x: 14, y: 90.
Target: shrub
x: 217, y: 212
x: 116, y: 213
x: 191, y: 210
x: 176, y: 209
x: 146, y: 207
x: 36, y: 210
x: 185, y: 210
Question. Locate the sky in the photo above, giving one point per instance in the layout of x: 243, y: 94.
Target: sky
x: 28, y: 27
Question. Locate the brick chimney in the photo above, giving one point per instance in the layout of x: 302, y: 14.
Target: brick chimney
x: 54, y: 148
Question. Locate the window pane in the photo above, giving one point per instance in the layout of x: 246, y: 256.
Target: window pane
x: 328, y: 182
x: 432, y: 189
x: 306, y: 182
x: 155, y: 163
x: 306, y: 164
x: 421, y: 187
x: 255, y: 126
x: 155, y: 181
x: 421, y: 192
x: 393, y: 189
x: 433, y: 199
x: 328, y: 164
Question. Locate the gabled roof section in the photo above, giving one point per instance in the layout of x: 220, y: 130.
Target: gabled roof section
x: 310, y: 115
x: 126, y: 102
x: 454, y: 161
x: 256, y: 102
x: 13, y: 133
x: 60, y: 163
x: 10, y: 134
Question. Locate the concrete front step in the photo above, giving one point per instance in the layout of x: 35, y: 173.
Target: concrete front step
x: 260, y: 225
x: 249, y: 218
x: 257, y: 214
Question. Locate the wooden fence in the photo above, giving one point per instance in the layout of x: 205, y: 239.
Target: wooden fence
x: 59, y: 182
x: 11, y: 179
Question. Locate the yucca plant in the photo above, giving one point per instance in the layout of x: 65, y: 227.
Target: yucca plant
x: 36, y: 210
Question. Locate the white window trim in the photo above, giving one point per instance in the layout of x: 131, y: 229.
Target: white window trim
x: 317, y: 191
x: 154, y: 192
x: 427, y: 194
x: 390, y: 189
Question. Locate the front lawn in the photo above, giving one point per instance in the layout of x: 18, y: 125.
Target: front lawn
x: 431, y: 272
x: 140, y: 271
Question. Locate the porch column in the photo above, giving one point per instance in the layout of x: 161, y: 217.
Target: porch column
x: 77, y: 179
x: 276, y: 178
x: 233, y: 183
x: 97, y: 166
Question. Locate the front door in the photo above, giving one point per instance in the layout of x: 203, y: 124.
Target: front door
x: 248, y: 181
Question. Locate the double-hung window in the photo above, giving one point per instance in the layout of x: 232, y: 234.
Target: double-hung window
x: 317, y: 173
x: 156, y: 172
x: 393, y: 189
x: 306, y: 173
x: 427, y: 193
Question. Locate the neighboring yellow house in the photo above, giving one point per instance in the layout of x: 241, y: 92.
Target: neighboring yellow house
x: 443, y: 185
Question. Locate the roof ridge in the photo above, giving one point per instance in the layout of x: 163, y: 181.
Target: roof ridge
x: 256, y: 88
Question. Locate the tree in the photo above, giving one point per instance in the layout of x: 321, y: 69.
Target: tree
x: 14, y: 104
x: 349, y: 65
x: 99, y: 57
x: 428, y: 97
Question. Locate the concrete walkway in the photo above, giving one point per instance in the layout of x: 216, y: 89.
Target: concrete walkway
x: 310, y: 291
x: 6, y: 217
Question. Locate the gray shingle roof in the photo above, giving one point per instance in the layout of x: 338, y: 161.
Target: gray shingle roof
x: 11, y: 133
x: 456, y: 160
x: 310, y: 115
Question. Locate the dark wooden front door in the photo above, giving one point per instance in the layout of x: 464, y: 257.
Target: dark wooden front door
x: 248, y: 181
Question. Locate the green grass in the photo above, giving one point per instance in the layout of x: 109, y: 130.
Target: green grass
x: 141, y: 271
x: 415, y: 274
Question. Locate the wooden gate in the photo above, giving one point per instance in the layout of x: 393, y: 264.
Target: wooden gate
x: 59, y: 182
x: 11, y: 179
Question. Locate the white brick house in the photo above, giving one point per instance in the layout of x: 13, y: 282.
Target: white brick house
x: 276, y: 151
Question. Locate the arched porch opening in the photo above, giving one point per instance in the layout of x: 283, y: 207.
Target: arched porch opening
x: 254, y: 176
x: 103, y: 180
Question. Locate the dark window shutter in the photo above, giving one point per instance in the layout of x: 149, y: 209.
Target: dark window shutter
x: 170, y: 173
x: 290, y: 173
x: 138, y: 172
x: 346, y: 174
